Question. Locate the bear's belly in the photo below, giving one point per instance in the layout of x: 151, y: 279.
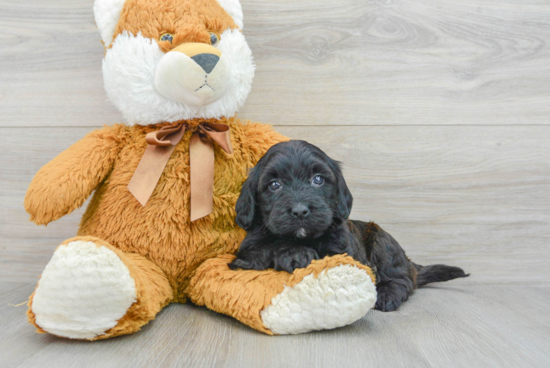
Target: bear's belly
x: 161, y: 231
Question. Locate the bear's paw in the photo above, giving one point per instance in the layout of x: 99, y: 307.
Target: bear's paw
x: 337, y: 297
x: 83, y: 292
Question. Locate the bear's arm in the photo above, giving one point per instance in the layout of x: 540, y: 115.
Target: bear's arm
x: 63, y: 184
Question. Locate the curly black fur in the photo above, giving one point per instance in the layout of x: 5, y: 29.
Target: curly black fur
x: 302, y: 218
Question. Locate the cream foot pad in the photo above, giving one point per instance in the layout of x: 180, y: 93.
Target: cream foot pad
x: 83, y: 292
x: 338, y: 297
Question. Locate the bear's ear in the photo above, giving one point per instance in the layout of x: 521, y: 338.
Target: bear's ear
x: 107, y: 13
x: 233, y: 8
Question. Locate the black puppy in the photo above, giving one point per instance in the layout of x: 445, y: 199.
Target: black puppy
x: 295, y: 205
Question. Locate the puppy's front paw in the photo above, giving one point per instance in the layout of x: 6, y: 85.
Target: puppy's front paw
x: 246, y: 264
x: 290, y: 259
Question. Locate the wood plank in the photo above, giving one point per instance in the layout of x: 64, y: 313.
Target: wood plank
x: 50, y: 65
x: 440, y: 326
x: 355, y: 62
x: 471, y: 196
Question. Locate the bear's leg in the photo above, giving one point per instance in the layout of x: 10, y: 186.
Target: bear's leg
x: 91, y: 290
x: 329, y: 293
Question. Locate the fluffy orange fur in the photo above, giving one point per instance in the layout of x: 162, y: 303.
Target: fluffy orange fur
x: 244, y: 294
x: 187, y: 20
x: 161, y: 231
x: 170, y: 258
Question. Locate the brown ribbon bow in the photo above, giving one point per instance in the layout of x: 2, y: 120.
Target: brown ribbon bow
x: 161, y: 144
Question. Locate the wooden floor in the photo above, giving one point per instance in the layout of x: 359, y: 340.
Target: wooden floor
x: 440, y: 112
x: 447, y: 325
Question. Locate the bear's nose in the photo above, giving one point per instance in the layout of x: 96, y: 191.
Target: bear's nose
x: 206, y: 61
x: 300, y: 211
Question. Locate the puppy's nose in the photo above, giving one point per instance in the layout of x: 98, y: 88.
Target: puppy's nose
x: 300, y: 211
x: 206, y: 61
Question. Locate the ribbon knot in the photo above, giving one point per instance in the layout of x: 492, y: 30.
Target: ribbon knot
x: 162, y: 143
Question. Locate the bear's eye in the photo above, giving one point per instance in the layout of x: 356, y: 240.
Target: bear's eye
x: 167, y: 37
x: 214, y: 39
x: 318, y: 180
x: 275, y: 186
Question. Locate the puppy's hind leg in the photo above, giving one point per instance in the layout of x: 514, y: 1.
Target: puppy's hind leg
x: 393, y: 292
x: 395, y: 273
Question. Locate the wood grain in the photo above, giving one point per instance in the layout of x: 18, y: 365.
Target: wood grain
x: 472, y: 196
x: 350, y: 62
x: 449, y: 325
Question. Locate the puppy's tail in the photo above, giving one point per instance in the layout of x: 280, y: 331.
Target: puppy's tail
x: 437, y: 273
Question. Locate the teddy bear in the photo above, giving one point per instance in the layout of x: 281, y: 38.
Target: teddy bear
x: 160, y: 226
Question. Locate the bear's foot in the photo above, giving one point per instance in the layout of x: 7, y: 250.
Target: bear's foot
x: 337, y: 297
x: 329, y: 293
x: 83, y: 292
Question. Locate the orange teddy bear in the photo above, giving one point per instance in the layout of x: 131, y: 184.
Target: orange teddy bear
x: 160, y: 227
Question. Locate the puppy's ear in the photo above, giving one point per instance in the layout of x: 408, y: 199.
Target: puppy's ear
x: 246, y: 204
x: 345, y: 199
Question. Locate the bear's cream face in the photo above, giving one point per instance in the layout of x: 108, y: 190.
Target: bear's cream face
x: 174, y: 60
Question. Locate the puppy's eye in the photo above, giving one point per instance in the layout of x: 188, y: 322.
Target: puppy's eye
x: 275, y: 185
x: 167, y: 37
x: 318, y: 180
x: 214, y: 39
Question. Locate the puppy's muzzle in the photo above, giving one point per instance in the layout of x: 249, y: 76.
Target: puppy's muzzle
x: 300, y: 211
x: 195, y: 74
